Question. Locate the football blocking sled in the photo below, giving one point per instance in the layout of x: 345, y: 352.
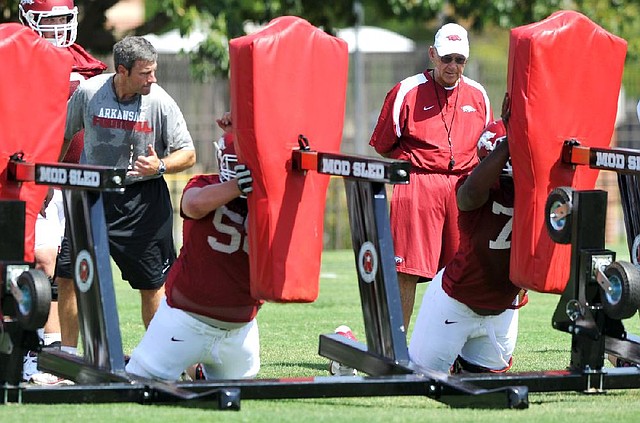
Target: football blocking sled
x: 288, y: 79
x: 34, y: 81
x: 100, y: 376
x: 34, y: 87
x: 557, y: 94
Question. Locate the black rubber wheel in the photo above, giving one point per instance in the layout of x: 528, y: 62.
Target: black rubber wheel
x: 558, y: 210
x: 623, y: 300
x: 33, y: 307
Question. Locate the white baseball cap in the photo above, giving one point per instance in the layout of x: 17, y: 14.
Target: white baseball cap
x: 452, y: 39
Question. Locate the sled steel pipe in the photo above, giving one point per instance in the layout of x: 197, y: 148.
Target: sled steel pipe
x: 615, y: 159
x: 362, y: 168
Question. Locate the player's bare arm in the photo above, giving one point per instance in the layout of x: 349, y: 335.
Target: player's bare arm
x: 197, y: 202
x: 474, y: 192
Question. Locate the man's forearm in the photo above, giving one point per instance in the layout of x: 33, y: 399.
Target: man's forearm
x: 179, y: 160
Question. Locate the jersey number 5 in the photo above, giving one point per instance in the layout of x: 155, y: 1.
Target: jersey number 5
x: 236, y: 238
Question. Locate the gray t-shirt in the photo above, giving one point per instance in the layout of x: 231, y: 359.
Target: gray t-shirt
x: 116, y: 133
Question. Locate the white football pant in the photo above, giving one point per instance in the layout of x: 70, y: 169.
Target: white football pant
x: 446, y: 328
x: 175, y: 341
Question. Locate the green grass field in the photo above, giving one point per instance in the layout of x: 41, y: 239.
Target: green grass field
x: 289, y: 337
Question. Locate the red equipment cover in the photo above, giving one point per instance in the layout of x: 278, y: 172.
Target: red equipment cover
x: 564, y: 78
x: 34, y: 86
x: 287, y: 79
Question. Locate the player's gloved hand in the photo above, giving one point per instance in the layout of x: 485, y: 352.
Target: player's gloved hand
x: 244, y: 179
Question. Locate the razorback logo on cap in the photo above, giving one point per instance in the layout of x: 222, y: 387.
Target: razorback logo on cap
x: 454, y: 37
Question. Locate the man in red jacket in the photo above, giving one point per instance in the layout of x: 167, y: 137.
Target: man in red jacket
x: 433, y: 120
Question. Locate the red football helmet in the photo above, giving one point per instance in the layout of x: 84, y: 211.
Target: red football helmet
x: 227, y: 159
x: 54, y: 20
x: 493, y: 135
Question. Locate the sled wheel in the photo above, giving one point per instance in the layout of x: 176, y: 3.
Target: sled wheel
x: 623, y: 299
x: 33, y: 307
x: 558, y: 211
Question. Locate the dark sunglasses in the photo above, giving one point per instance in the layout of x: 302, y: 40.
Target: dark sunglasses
x: 449, y: 58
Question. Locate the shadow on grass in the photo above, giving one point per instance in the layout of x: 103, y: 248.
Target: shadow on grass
x: 320, y: 367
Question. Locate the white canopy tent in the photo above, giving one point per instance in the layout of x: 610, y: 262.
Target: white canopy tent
x: 370, y: 39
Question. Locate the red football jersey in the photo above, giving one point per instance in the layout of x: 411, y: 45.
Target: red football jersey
x: 418, y: 117
x: 84, y: 63
x: 84, y: 67
x: 478, y: 275
x: 211, y: 275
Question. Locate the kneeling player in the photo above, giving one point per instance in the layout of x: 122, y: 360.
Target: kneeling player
x: 208, y: 314
x: 468, y: 314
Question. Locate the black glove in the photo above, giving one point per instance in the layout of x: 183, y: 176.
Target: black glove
x: 244, y: 179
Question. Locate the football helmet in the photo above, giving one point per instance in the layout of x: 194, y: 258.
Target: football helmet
x: 227, y: 159
x: 54, y: 20
x: 493, y: 135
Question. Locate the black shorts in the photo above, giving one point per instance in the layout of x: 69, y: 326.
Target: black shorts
x: 63, y: 261
x: 54, y: 289
x: 140, y: 229
x: 145, y: 265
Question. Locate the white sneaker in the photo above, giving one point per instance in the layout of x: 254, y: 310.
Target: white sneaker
x: 47, y: 379
x: 339, y: 369
x: 29, y: 365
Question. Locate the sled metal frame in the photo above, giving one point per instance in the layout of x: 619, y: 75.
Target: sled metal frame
x: 614, y: 339
x: 580, y: 311
x: 100, y: 375
x: 592, y: 334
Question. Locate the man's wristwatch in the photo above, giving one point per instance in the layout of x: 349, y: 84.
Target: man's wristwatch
x: 161, y: 168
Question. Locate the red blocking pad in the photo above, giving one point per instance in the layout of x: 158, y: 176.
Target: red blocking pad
x: 288, y: 79
x: 564, y: 77
x: 34, y: 86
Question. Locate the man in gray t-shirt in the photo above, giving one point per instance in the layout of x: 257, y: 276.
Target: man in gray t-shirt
x: 131, y: 122
x: 118, y: 131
